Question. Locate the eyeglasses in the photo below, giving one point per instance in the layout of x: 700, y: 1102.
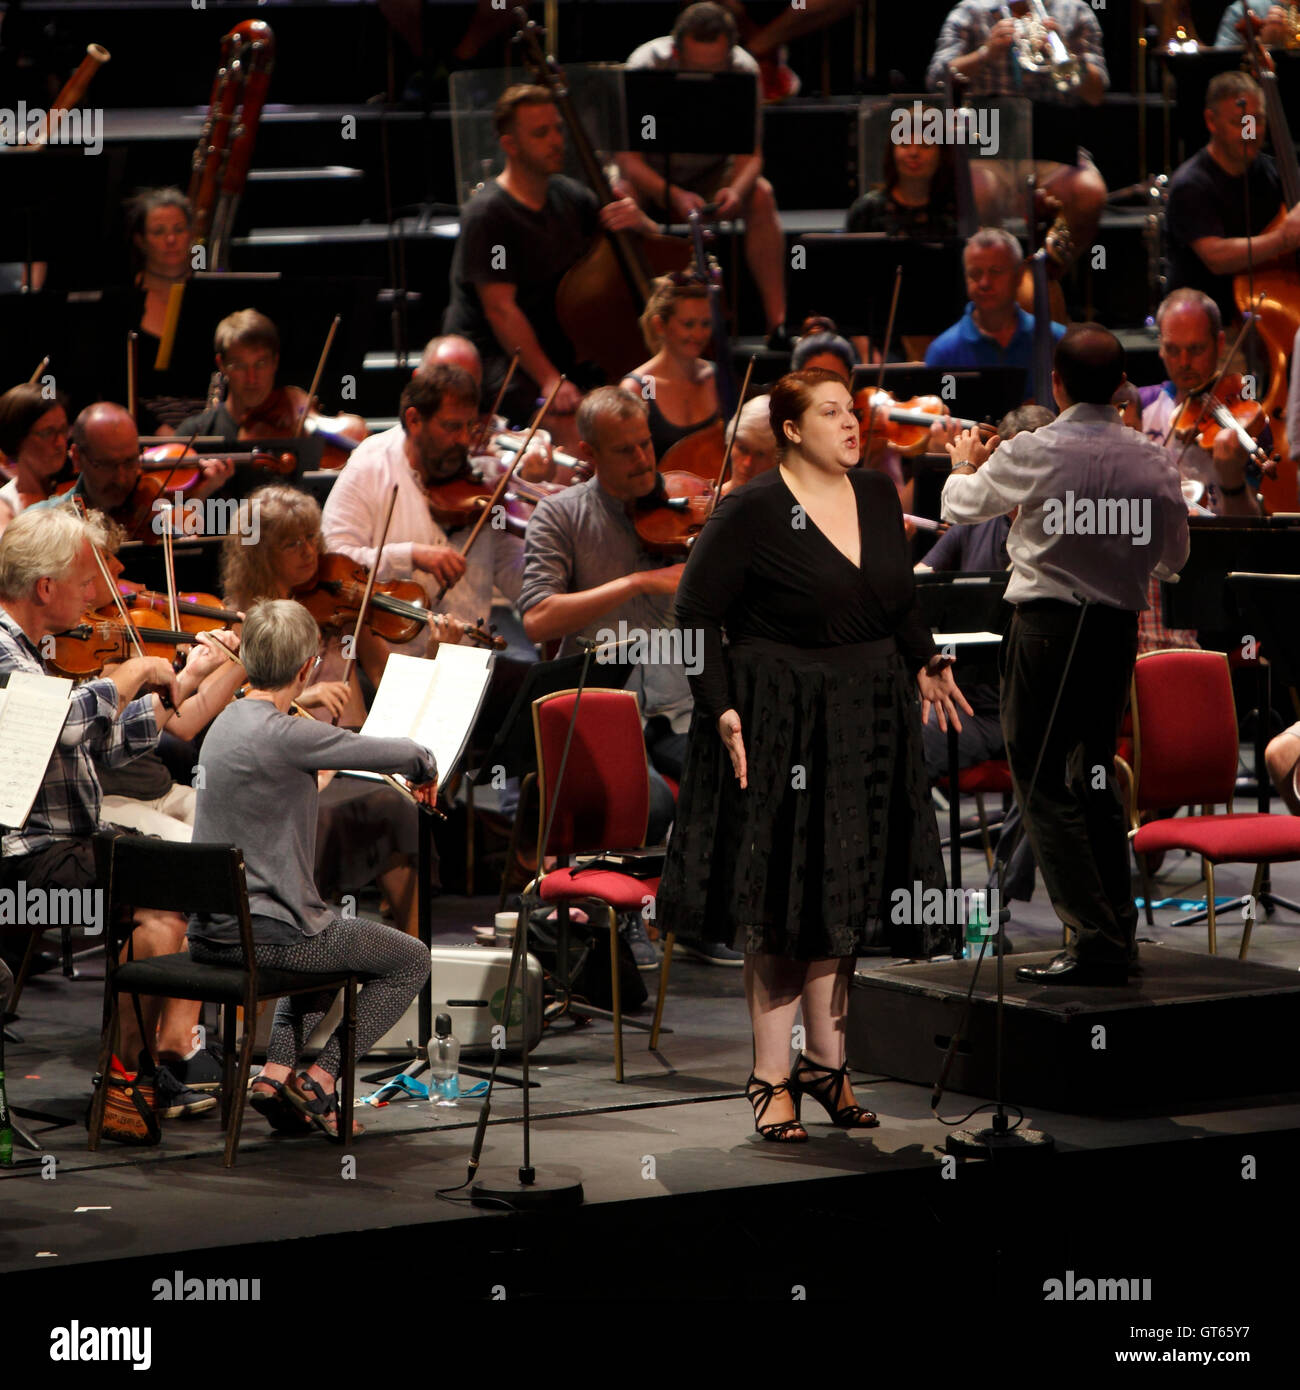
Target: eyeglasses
x: 301, y: 543
x: 51, y: 432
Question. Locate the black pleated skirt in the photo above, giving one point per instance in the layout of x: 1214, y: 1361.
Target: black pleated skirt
x: 836, y: 816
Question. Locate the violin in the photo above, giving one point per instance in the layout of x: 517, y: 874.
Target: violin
x: 905, y: 425
x: 669, y: 518
x: 99, y: 640
x: 286, y: 414
x: 198, y: 612
x: 396, y: 611
x: 1225, y: 408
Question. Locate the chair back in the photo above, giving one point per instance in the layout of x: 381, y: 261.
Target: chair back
x: 604, y: 795
x: 172, y: 876
x: 1184, y: 730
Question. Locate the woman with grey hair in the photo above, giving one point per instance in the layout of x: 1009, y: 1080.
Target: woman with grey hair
x: 259, y: 791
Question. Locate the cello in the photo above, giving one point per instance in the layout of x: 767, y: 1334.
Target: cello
x: 1270, y: 295
x: 601, y: 297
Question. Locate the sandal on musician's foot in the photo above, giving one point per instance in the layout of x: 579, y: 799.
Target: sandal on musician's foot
x: 760, y: 1095
x: 826, y: 1086
x: 321, y: 1107
x: 271, y: 1100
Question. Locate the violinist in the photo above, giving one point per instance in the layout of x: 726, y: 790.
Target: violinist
x: 247, y: 348
x: 1278, y: 23
x: 34, y: 437
x: 754, y: 451
x: 704, y: 40
x: 821, y: 348
x: 365, y: 833
x: 106, y: 455
x: 586, y: 571
x: 427, y: 447
x: 260, y: 792
x: 677, y: 384
x: 160, y: 225
x: 47, y: 579
x: 978, y: 43
x: 455, y: 351
x: 1225, y: 195
x: 518, y: 237
x: 1191, y: 347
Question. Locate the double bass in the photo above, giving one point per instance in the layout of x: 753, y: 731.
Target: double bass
x: 1271, y: 293
x: 602, y: 296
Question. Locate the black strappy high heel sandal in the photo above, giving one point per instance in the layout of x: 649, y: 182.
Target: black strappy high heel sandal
x: 760, y: 1095
x: 826, y: 1091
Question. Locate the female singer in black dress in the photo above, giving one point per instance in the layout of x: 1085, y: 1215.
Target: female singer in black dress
x: 804, y: 799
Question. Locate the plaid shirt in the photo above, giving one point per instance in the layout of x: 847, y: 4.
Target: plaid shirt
x: 967, y: 29
x: 68, y: 803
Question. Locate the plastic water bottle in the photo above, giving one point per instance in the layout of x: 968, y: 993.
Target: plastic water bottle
x: 444, y: 1063
x: 976, y: 925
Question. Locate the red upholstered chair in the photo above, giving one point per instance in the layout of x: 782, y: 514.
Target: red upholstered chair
x: 1185, y: 754
x: 992, y: 775
x: 603, y: 806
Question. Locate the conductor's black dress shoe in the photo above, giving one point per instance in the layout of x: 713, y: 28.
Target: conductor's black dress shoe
x: 1064, y: 969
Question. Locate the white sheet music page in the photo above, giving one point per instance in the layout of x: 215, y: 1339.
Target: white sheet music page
x: 33, y: 710
x: 433, y: 702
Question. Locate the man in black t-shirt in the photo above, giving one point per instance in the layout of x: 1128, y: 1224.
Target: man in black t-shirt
x: 1213, y: 235
x: 518, y: 237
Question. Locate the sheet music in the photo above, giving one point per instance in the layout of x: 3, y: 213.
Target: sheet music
x: 433, y: 702
x: 33, y: 711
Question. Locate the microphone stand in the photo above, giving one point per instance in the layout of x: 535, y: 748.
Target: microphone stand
x: 1000, y: 1137
x: 527, y: 1189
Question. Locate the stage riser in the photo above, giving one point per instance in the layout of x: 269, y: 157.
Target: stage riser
x: 1154, y: 1056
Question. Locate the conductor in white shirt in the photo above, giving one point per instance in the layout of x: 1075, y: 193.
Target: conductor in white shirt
x: 429, y: 444
x: 1100, y: 509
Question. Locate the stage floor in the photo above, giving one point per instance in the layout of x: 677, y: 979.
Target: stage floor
x: 670, y: 1148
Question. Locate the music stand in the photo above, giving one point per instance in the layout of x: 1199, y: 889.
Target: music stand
x: 971, y: 603
x: 671, y: 113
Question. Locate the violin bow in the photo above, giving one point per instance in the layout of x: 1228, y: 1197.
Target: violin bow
x: 132, y: 338
x: 486, y: 424
x: 36, y: 375
x: 884, y: 353
x: 351, y: 660
x: 320, y: 368
x: 731, y: 438
x: 503, y: 481
x: 169, y: 568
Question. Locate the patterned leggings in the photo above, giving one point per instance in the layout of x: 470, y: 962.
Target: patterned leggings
x: 399, y: 963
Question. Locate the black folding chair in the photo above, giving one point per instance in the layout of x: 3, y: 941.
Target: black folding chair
x: 147, y: 873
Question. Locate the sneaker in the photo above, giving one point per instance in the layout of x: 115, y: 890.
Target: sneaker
x: 174, y: 1100
x: 710, y: 952
x: 632, y: 930
x: 202, y: 1072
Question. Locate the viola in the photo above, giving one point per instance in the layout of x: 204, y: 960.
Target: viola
x: 669, y: 518
x: 1226, y: 408
x: 905, y: 425
x: 700, y: 452
x: 99, y: 640
x: 286, y: 414
x: 396, y: 611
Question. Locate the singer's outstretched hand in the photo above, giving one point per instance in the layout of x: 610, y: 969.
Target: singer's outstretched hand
x: 939, y: 692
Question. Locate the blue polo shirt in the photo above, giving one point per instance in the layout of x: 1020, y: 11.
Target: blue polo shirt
x: 963, y: 345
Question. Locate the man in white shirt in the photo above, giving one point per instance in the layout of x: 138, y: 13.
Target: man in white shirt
x: 1100, y: 508
x: 429, y: 444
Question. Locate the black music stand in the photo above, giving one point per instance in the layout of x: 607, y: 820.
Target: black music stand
x: 968, y: 602
x: 670, y: 112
